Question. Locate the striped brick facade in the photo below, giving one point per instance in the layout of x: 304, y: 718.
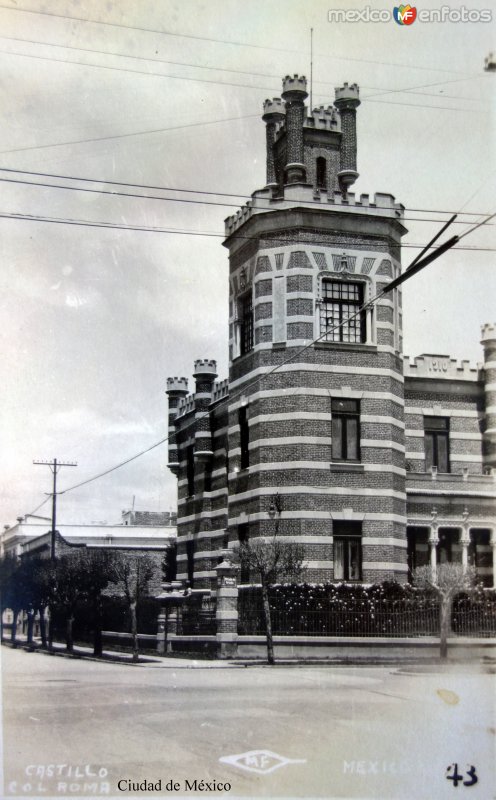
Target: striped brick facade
x: 267, y: 437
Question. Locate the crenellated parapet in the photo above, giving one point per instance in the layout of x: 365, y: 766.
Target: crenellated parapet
x: 296, y: 84
x: 221, y: 390
x: 347, y: 95
x: 177, y: 385
x: 186, y: 405
x: 382, y: 205
x: 324, y: 119
x: 441, y: 367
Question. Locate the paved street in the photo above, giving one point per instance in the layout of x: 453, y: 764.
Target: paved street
x: 77, y: 728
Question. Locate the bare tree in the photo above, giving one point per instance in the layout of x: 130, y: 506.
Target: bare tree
x: 446, y: 581
x: 274, y: 561
x: 98, y: 571
x: 69, y: 573
x: 134, y: 574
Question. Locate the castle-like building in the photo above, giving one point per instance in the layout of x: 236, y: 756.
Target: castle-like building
x: 324, y: 433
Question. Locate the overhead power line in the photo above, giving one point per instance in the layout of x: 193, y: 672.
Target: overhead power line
x: 196, y: 37
x: 208, y: 193
x: 128, y: 135
x: 269, y: 89
x: 188, y: 200
x: 173, y: 231
x: 252, y: 73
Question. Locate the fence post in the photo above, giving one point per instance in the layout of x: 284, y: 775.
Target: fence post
x: 161, y: 633
x: 226, y: 613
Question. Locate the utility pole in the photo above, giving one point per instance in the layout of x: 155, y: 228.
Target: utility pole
x: 54, y: 467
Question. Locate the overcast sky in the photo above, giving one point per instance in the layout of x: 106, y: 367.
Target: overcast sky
x: 169, y: 94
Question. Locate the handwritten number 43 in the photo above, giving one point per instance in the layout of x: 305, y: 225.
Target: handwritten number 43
x: 454, y: 775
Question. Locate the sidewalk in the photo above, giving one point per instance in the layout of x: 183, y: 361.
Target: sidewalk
x: 147, y: 661
x: 118, y: 657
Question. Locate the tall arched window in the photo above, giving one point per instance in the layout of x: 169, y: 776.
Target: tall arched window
x: 321, y: 172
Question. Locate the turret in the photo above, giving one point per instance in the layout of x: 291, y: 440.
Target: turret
x: 274, y: 113
x: 488, y: 342
x: 294, y: 94
x: 177, y: 388
x: 205, y: 374
x: 347, y: 101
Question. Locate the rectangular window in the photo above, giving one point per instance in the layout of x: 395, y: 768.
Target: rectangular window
x: 341, y: 301
x: 347, y: 551
x: 207, y: 478
x: 243, y: 536
x: 436, y: 440
x: 190, y: 468
x: 345, y: 430
x: 190, y: 558
x: 244, y: 438
x: 246, y: 328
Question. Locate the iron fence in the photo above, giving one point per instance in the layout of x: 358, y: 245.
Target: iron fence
x: 391, y: 619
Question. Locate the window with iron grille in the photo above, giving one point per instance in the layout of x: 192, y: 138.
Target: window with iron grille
x: 345, y: 430
x: 246, y: 327
x: 436, y: 442
x: 347, y: 538
x: 340, y: 302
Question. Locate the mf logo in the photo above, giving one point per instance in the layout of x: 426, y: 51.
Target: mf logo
x: 262, y: 762
x: 404, y: 15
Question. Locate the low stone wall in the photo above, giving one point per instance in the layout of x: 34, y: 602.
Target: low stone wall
x: 344, y: 649
x: 355, y: 649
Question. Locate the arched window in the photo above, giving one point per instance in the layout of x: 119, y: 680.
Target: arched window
x: 321, y: 172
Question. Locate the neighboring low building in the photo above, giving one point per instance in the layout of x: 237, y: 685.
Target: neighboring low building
x: 150, y: 531
x: 373, y: 462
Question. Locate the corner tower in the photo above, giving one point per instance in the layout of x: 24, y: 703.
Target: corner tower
x: 316, y: 431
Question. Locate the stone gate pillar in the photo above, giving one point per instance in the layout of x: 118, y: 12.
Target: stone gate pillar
x: 433, y: 543
x: 226, y: 613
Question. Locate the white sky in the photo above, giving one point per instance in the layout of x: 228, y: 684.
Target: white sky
x: 93, y: 321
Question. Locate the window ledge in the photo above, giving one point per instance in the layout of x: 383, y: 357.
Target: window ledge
x: 366, y: 348
x: 346, y: 466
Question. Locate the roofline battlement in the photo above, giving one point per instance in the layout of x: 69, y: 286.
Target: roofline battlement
x: 442, y: 367
x: 205, y: 366
x: 187, y: 404
x: 221, y: 389
x: 304, y: 196
x: 177, y: 385
x: 488, y: 332
x: 274, y: 109
x: 297, y: 83
x: 323, y: 118
x: 346, y: 93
